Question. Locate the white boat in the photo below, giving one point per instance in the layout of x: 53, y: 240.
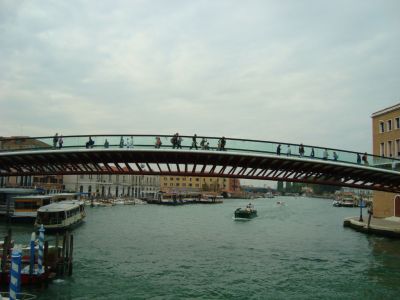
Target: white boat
x: 61, y: 215
x: 206, y: 198
x: 26, y: 206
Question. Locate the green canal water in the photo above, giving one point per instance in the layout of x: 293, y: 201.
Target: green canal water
x: 298, y: 251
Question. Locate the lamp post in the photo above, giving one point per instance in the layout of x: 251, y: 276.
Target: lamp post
x: 361, y: 206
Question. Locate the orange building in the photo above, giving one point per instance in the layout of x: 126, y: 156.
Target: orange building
x: 386, y: 143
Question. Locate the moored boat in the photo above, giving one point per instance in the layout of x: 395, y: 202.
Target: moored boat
x: 61, y: 215
x: 245, y: 213
x: 26, y: 206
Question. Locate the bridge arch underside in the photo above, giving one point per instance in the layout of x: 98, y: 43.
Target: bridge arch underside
x: 197, y: 163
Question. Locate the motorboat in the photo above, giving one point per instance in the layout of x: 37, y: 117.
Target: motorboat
x: 245, y: 213
x: 61, y: 215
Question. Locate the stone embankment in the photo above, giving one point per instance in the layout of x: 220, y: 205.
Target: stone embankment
x: 379, y: 226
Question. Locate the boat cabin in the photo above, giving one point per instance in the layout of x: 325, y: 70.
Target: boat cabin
x: 26, y: 206
x: 61, y: 215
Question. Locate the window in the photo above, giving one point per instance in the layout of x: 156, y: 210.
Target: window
x: 397, y: 123
x: 177, y: 184
x: 197, y: 185
x: 389, y: 149
x: 397, y: 150
x: 381, y: 126
x: 177, y: 178
x: 165, y: 184
x: 171, y: 184
x: 197, y: 179
x: 382, y: 149
x: 183, y: 184
x: 389, y: 125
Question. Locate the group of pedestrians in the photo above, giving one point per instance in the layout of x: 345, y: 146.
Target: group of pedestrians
x: 58, y: 141
x: 176, y: 141
x: 128, y: 144
x: 325, y: 154
x: 363, y: 159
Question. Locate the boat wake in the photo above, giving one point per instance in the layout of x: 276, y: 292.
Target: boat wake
x: 240, y: 219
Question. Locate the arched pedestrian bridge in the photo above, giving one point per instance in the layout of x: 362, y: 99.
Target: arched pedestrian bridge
x: 250, y: 159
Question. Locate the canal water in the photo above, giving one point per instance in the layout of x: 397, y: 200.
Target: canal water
x: 297, y: 251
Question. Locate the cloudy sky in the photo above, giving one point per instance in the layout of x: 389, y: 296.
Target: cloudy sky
x: 291, y: 71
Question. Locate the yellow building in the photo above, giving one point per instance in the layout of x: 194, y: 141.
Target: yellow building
x: 181, y: 184
x: 386, y: 143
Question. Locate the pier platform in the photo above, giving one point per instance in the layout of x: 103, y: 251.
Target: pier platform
x: 380, y: 226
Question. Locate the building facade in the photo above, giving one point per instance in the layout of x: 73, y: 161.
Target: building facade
x: 386, y: 143
x: 49, y: 184
x: 196, y: 184
x: 113, y: 185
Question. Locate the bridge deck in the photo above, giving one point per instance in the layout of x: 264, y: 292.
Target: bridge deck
x: 239, y: 158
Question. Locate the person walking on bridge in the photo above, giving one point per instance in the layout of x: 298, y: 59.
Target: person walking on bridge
x: 194, y: 142
x: 335, y: 156
x: 358, y: 158
x: 203, y: 143
x: 312, y: 154
x: 278, y: 150
x: 365, y: 159
x: 289, y: 151
x: 221, y: 144
x: 325, y: 154
x: 60, y: 142
x: 55, y: 140
x: 301, y: 150
x: 178, y: 141
x: 158, y: 143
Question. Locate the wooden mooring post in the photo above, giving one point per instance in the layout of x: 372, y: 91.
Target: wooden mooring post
x: 65, y: 255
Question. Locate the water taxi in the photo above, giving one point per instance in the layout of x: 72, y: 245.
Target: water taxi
x: 245, y: 213
x: 347, y: 199
x: 26, y: 206
x: 60, y: 216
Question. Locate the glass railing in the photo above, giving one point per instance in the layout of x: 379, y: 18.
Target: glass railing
x: 204, y: 143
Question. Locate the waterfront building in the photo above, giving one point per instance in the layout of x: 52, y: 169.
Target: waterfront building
x: 49, y: 183
x: 197, y: 184
x: 7, y: 198
x: 113, y: 185
x: 386, y: 143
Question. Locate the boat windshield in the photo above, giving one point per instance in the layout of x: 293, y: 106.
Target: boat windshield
x: 49, y: 218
